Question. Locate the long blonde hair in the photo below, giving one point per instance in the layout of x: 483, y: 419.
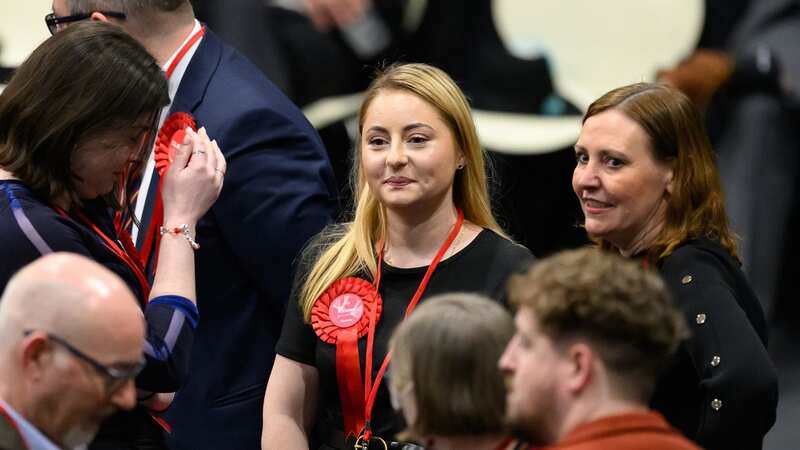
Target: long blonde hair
x: 353, y: 248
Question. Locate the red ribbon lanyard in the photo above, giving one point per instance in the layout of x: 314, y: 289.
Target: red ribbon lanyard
x: 505, y: 443
x: 157, y: 219
x: 370, y: 389
x: 122, y: 249
x: 184, y: 50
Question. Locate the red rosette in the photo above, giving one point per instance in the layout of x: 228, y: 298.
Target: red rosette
x: 346, y: 304
x: 169, y: 137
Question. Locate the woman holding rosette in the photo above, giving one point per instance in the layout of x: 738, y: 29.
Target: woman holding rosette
x: 76, y: 118
x: 422, y: 225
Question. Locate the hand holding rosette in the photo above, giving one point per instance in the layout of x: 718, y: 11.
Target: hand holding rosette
x: 190, y: 184
x: 170, y: 137
x: 193, y: 180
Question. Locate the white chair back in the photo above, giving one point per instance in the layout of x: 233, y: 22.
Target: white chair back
x: 22, y: 28
x: 597, y: 45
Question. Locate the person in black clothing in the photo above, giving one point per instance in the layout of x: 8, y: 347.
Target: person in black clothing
x: 420, y: 185
x: 745, y: 76
x: 75, y: 119
x: 649, y: 189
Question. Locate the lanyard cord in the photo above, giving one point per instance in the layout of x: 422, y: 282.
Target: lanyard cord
x: 371, y: 391
x: 151, y: 238
x: 117, y: 248
x: 183, y: 51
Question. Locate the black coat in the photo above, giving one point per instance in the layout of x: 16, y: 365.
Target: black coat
x: 721, y: 389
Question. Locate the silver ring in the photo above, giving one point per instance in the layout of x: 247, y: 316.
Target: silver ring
x: 199, y: 151
x: 222, y: 172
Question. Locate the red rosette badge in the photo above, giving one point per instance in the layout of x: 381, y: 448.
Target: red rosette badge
x: 340, y: 316
x: 346, y: 304
x: 169, y: 137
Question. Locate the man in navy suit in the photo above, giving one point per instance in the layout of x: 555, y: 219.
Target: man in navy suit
x: 279, y: 191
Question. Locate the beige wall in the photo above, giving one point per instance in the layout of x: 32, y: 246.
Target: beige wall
x: 22, y: 28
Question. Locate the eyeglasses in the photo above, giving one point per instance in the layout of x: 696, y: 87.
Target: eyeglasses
x: 114, y: 377
x: 55, y: 23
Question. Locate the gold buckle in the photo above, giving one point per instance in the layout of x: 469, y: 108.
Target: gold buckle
x: 361, y: 444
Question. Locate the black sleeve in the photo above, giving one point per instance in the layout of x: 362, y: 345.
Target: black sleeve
x: 171, y: 322
x: 738, y: 391
x: 298, y: 341
x: 512, y: 258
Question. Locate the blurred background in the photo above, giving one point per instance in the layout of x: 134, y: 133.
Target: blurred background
x: 530, y: 68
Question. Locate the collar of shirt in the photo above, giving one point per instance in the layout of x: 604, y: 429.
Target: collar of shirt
x: 173, y: 84
x: 639, y: 421
x: 180, y: 69
x: 34, y: 439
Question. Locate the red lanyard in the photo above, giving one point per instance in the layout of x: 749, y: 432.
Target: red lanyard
x: 370, y: 390
x: 122, y: 251
x: 157, y: 217
x: 506, y: 442
x: 184, y: 50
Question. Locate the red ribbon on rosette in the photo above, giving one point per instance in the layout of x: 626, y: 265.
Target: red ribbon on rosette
x: 340, y: 316
x: 170, y: 136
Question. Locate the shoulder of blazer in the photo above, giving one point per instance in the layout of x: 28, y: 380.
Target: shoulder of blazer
x: 204, y: 63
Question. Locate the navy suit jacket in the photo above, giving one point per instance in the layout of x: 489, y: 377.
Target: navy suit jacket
x: 279, y: 191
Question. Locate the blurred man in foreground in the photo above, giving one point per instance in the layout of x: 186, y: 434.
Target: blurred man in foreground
x: 592, y: 332
x: 71, y: 339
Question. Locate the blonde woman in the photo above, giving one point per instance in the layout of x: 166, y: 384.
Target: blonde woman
x: 423, y: 225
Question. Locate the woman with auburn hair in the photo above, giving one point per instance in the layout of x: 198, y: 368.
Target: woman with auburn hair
x: 648, y: 185
x: 422, y: 225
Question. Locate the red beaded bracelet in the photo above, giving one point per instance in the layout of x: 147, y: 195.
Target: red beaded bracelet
x: 183, y: 229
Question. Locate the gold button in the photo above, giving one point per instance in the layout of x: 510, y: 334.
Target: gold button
x: 715, y: 361
x: 716, y: 404
x: 700, y: 319
x: 687, y: 279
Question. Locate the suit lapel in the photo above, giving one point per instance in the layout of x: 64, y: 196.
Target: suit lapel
x: 189, y: 96
x: 198, y: 74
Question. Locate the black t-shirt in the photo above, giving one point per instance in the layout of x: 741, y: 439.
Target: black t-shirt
x: 482, y: 267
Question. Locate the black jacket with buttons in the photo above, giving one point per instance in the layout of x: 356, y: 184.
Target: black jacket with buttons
x: 721, y: 389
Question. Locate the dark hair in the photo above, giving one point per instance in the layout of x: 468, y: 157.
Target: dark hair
x: 88, y: 79
x: 446, y: 354
x: 123, y: 6
x: 695, y: 208
x: 623, y: 310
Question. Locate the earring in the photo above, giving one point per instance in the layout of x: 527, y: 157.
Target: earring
x: 460, y: 166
